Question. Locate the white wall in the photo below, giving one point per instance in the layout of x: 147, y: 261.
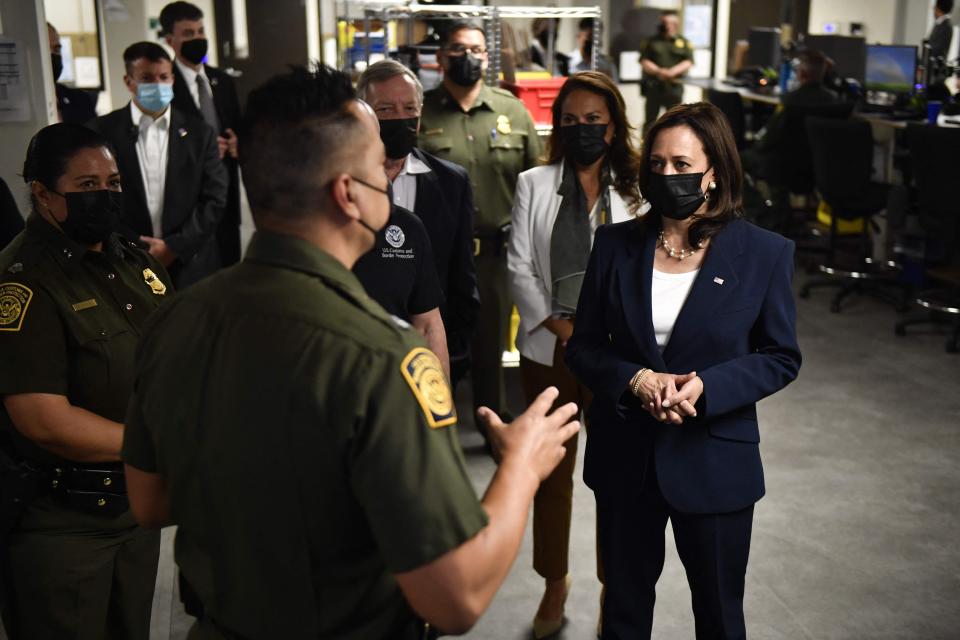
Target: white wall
x: 877, y: 16
x: 71, y: 16
x: 26, y: 23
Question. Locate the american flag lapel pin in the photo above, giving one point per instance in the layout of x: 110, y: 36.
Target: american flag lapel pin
x: 718, y: 280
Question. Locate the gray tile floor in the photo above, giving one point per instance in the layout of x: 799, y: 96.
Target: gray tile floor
x: 856, y: 537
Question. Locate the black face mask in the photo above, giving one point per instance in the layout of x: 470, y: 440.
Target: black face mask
x: 194, y: 50
x: 57, y: 61
x: 584, y: 143
x: 91, y: 215
x: 588, y: 49
x: 399, y: 136
x: 676, y: 196
x: 464, y: 70
x: 387, y: 192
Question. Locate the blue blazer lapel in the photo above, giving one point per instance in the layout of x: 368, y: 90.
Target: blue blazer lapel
x: 635, y: 275
x: 717, y: 280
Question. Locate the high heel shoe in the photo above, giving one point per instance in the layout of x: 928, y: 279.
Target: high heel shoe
x: 543, y: 628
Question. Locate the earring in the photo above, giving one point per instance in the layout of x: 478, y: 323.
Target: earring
x: 711, y: 185
x: 706, y: 197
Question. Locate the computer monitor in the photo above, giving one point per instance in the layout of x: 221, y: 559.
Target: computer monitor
x: 848, y: 53
x: 891, y: 68
x: 764, y: 47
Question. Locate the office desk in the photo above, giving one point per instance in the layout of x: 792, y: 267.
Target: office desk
x: 746, y: 93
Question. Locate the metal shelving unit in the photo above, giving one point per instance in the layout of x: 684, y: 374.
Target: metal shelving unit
x: 388, y: 10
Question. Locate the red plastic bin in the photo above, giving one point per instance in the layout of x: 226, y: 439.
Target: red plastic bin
x: 538, y: 96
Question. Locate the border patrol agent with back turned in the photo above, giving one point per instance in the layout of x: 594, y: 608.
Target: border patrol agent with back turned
x: 309, y: 456
x: 489, y: 133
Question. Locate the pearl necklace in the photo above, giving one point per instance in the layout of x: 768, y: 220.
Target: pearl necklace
x: 674, y: 253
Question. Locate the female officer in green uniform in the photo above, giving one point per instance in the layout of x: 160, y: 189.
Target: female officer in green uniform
x: 73, y: 297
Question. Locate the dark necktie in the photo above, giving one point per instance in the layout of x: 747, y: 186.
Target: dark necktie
x: 207, y: 108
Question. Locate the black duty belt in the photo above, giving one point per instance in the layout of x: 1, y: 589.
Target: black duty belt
x: 96, y: 491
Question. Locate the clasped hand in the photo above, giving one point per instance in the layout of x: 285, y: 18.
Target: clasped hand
x: 670, y: 397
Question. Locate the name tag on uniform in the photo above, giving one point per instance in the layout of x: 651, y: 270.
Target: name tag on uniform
x: 86, y: 304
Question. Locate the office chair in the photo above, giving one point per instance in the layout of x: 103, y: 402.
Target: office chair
x: 842, y: 153
x: 933, y: 153
x: 789, y: 170
x: 731, y: 104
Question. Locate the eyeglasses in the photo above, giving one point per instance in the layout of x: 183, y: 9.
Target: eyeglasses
x: 459, y: 50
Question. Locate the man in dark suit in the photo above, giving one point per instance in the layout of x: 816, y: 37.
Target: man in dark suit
x: 438, y: 191
x: 208, y: 93
x: 74, y: 106
x: 942, y: 33
x: 175, y: 186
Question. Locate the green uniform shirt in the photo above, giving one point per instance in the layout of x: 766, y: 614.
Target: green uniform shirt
x: 70, y: 319
x: 495, y: 140
x: 667, y: 52
x: 308, y: 443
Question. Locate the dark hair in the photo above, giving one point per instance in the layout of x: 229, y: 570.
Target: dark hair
x: 945, y: 6
x: 712, y: 128
x: 51, y: 149
x: 147, y: 50
x: 586, y: 24
x: 175, y: 12
x: 813, y: 64
x: 623, y: 157
x: 295, y: 137
x: 456, y: 27
x: 668, y: 12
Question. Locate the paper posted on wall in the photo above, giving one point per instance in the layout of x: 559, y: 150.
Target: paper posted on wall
x: 14, y: 97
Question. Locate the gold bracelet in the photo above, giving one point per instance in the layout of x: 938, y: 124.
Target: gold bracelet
x: 637, y: 379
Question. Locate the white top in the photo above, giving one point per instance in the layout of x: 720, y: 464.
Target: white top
x: 667, y: 294
x: 152, y: 145
x: 405, y: 184
x: 190, y: 78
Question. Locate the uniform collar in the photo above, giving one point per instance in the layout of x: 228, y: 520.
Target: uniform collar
x: 63, y: 247
x: 484, y: 98
x: 291, y: 252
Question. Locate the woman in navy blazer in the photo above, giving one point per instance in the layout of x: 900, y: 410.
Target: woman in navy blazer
x: 686, y: 319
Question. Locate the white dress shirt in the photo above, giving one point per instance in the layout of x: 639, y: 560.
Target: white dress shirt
x: 152, y: 144
x: 405, y: 184
x: 190, y: 78
x: 667, y: 294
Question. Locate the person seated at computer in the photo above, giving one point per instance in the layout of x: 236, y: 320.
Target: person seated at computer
x: 812, y: 66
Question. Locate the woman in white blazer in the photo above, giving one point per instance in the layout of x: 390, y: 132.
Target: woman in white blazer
x: 590, y: 179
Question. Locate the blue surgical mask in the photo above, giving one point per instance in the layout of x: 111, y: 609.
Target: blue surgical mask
x: 154, y: 96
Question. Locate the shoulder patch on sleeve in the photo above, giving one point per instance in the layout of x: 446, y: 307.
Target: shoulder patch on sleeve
x: 14, y: 300
x: 422, y: 371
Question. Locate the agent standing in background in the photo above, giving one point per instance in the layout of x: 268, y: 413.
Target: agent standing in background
x: 489, y: 133
x: 666, y: 59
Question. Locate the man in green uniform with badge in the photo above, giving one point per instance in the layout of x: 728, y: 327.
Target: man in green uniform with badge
x: 488, y: 132
x: 304, y: 441
x: 665, y: 60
